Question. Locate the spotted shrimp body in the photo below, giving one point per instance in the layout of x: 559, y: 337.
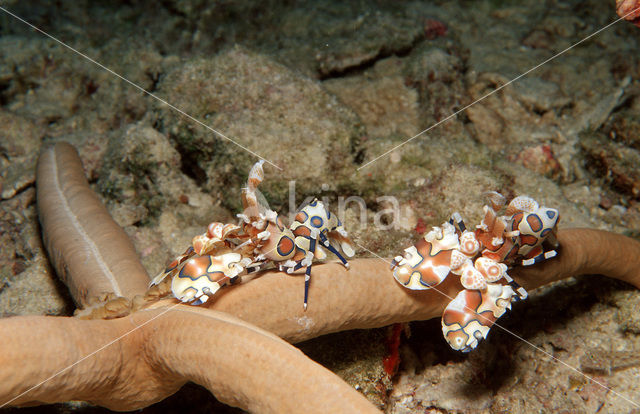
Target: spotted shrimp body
x: 227, y: 251
x: 468, y: 318
x: 481, y: 259
x: 517, y: 238
x: 202, y: 276
x: 427, y: 263
x: 313, y: 228
x: 296, y: 246
x: 443, y: 251
x: 206, y: 266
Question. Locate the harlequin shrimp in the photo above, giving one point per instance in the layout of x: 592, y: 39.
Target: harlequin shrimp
x: 207, y: 265
x: 226, y: 251
x: 468, y: 317
x: 294, y: 247
x: 481, y: 258
x: 520, y: 234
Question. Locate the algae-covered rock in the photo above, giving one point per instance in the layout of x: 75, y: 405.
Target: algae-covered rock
x: 436, y: 71
x: 34, y: 292
x: 142, y: 178
x: 627, y: 315
x: 618, y: 163
x: 381, y: 99
x: 358, y: 41
x: 265, y: 110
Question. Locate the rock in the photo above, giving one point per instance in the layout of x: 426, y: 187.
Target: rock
x: 142, y: 177
x: 19, y: 144
x: 19, y: 233
x: 382, y: 101
x: 360, y: 41
x: 616, y: 163
x: 627, y: 317
x: 17, y: 176
x: 34, y: 292
x: 631, y: 218
x: 267, y: 110
x: 540, y: 159
x: 624, y: 127
x: 436, y: 72
x: 540, y: 95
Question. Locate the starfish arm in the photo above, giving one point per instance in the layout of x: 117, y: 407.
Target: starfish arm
x: 367, y: 295
x: 53, y: 359
x: 248, y: 367
x: 90, y: 252
x: 585, y: 251
x: 147, y: 356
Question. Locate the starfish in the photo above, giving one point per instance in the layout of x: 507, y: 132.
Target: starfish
x: 238, y: 346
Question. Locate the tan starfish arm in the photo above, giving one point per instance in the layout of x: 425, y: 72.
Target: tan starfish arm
x: 240, y: 364
x: 586, y: 252
x: 90, y: 252
x: 367, y: 295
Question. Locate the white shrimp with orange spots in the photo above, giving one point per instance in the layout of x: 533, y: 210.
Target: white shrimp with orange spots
x: 481, y: 259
